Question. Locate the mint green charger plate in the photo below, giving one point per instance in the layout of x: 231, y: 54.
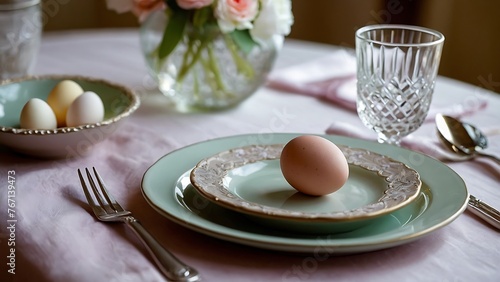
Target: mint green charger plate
x: 167, y: 188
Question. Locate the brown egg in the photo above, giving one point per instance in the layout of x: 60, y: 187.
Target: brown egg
x: 314, y: 165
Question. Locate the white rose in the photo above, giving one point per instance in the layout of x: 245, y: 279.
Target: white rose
x: 275, y: 17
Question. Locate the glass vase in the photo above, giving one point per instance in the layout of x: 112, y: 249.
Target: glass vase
x: 207, y: 70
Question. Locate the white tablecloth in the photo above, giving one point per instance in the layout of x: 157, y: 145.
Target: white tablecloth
x: 465, y: 250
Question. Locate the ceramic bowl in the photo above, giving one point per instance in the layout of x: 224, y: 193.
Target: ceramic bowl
x: 119, y: 102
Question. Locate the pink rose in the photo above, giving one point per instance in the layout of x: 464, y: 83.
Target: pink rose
x: 120, y: 6
x: 236, y: 14
x: 140, y: 8
x: 193, y: 4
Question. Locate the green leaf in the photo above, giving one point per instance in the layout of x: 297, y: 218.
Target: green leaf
x: 201, y: 16
x: 173, y: 33
x: 243, y: 39
x: 172, y: 4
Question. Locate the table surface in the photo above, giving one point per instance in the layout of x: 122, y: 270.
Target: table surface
x: 465, y: 250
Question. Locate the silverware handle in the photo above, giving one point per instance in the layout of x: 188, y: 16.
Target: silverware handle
x: 170, y: 266
x: 491, y: 157
x: 484, y: 211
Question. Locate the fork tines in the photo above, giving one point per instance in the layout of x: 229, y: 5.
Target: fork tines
x: 106, y: 202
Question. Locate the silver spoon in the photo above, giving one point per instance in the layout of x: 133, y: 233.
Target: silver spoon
x: 462, y: 138
x: 451, y: 131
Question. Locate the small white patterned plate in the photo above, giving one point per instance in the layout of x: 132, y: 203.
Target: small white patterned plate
x: 249, y: 180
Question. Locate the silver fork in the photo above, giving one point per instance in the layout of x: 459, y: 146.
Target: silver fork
x: 108, y: 209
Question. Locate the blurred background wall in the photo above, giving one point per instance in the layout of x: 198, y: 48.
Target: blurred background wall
x: 471, y: 52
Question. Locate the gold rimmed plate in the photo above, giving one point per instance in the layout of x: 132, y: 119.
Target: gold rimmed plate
x: 249, y: 180
x: 167, y: 188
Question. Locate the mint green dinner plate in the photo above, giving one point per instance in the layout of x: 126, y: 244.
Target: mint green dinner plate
x: 167, y: 188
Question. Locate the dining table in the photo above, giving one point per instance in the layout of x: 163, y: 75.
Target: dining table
x: 57, y: 238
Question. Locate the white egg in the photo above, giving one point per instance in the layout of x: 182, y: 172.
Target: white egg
x: 37, y: 114
x: 61, y: 97
x: 87, y: 108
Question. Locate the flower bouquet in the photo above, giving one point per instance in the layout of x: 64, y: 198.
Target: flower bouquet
x: 210, y: 54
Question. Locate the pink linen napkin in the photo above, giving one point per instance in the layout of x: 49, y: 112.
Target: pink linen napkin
x: 55, y: 224
x: 425, y: 145
x: 429, y: 146
x: 333, y: 78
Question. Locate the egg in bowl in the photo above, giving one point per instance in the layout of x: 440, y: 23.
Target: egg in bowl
x: 63, y: 141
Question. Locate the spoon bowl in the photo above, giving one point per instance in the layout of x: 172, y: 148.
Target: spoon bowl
x: 462, y: 138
